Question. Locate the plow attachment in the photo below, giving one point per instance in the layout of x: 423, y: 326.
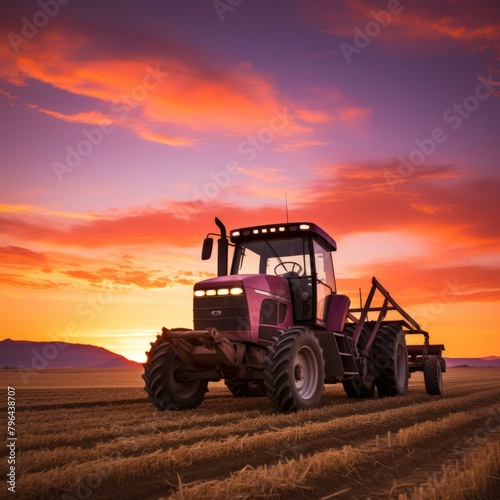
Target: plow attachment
x: 200, y: 349
x: 417, y: 354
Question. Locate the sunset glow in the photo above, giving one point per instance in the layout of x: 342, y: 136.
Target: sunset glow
x: 128, y: 126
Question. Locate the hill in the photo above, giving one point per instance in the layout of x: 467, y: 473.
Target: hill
x: 488, y: 361
x: 40, y: 355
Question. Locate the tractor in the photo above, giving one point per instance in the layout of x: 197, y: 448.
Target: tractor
x: 275, y: 326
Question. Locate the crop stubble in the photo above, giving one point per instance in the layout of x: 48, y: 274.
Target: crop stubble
x: 103, y: 442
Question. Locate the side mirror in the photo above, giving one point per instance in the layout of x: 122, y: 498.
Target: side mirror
x: 206, y: 252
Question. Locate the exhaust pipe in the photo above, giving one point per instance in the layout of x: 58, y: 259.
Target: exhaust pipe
x: 222, y: 249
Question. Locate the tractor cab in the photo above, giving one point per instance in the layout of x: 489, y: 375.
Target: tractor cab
x: 298, y: 252
x: 285, y: 271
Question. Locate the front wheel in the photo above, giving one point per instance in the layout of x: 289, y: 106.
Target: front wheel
x: 295, y: 371
x: 164, y: 384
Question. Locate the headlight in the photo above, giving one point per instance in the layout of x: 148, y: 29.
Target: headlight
x: 236, y: 290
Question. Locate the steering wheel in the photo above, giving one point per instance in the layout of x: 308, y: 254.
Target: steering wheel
x: 296, y: 268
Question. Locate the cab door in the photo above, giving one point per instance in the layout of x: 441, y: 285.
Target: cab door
x: 323, y: 281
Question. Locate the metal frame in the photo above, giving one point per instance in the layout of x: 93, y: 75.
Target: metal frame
x: 410, y: 326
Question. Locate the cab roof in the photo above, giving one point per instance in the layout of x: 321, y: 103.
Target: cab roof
x: 285, y: 230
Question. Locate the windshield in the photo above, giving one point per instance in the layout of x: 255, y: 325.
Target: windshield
x: 273, y: 256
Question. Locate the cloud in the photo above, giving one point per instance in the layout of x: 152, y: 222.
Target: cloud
x: 176, y: 91
x: 7, y: 94
x: 314, y: 116
x: 295, y: 145
x: 19, y: 255
x: 140, y: 278
x: 136, y: 227
x: 26, y: 268
x: 454, y: 214
x: 18, y: 280
x: 266, y: 174
x: 163, y: 90
x: 32, y: 210
x: 417, y: 25
x: 463, y: 210
x: 412, y: 282
x: 90, y: 117
x: 170, y: 140
x: 354, y: 115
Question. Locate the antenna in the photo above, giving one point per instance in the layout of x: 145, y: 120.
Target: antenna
x: 286, y: 207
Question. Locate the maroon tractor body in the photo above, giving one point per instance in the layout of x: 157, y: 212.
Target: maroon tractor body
x: 274, y: 325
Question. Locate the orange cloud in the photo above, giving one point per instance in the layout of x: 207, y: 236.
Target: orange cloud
x: 163, y: 87
x: 18, y: 280
x: 354, y: 115
x: 90, y: 117
x: 20, y: 256
x: 414, y: 283
x: 169, y: 140
x: 7, y: 94
x: 294, y: 146
x: 265, y: 174
x: 314, y: 116
x: 457, y: 221
x: 27, y: 268
x: 426, y: 203
x: 31, y: 210
x: 139, y: 278
x: 465, y: 22
x: 476, y: 24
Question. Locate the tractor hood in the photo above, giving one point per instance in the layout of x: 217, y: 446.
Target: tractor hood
x: 275, y: 285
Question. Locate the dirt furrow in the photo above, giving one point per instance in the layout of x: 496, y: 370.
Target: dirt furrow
x: 264, y: 447
x: 349, y: 474
x: 110, y: 423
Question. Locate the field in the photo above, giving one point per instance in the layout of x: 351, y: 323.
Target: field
x: 92, y: 434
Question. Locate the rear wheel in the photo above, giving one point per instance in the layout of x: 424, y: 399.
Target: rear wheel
x: 391, y: 361
x: 246, y: 388
x: 164, y: 384
x: 433, y: 377
x: 443, y: 365
x: 295, y: 371
x: 363, y: 386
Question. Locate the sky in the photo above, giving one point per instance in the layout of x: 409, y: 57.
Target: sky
x: 128, y: 126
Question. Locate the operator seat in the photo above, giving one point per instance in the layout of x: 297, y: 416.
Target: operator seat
x: 300, y: 290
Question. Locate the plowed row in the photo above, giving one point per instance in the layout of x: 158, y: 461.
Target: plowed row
x: 110, y: 442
